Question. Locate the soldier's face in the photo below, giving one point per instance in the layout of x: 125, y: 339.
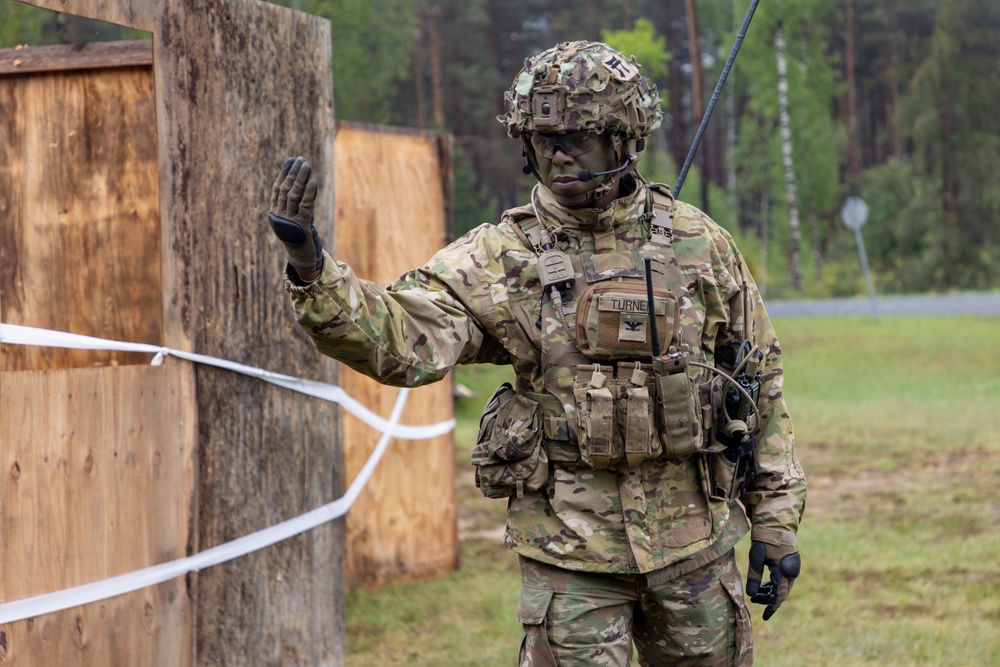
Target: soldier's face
x: 561, y: 158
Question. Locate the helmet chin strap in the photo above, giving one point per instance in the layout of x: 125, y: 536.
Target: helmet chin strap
x: 530, y: 159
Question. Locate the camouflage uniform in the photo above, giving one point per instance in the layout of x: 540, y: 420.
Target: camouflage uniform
x: 656, y: 535
x: 694, y: 618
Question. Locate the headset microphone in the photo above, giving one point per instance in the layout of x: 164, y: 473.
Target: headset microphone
x: 588, y: 175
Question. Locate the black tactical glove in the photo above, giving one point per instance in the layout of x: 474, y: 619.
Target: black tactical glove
x: 784, y: 563
x: 291, y: 216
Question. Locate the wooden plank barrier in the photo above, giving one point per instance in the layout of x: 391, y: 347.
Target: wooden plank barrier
x: 133, y: 185
x: 98, y: 460
x: 392, y: 214
x: 131, y: 207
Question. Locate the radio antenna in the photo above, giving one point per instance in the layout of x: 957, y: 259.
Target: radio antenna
x: 715, y: 97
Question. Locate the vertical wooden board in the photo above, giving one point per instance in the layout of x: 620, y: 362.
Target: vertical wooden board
x: 98, y: 480
x: 79, y: 198
x: 391, y: 218
x: 240, y: 85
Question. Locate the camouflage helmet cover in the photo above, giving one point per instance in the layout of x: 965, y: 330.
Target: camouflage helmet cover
x: 581, y: 86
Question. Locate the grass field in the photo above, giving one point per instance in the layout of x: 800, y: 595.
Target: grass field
x: 898, y: 429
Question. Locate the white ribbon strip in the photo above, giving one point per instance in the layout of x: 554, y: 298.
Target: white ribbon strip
x: 133, y: 581
x: 20, y: 335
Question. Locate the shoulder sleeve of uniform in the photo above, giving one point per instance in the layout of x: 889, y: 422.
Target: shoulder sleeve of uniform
x: 470, y: 273
x: 427, y: 321
x: 710, y: 245
x: 478, y: 253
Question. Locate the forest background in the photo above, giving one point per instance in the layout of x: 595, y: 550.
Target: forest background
x: 896, y: 102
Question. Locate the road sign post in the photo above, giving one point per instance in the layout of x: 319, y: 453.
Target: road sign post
x: 854, y: 215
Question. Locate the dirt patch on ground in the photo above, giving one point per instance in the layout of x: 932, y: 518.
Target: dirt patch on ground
x: 843, y: 486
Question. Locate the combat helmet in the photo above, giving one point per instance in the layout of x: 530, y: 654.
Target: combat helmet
x: 582, y: 86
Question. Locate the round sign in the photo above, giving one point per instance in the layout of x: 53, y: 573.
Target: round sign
x: 854, y: 213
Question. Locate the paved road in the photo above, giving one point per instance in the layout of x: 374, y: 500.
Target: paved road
x: 957, y: 304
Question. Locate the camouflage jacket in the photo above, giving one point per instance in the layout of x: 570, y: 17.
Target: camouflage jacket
x: 479, y: 300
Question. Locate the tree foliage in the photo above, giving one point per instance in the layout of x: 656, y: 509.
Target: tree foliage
x: 372, y: 46
x: 21, y: 24
x: 647, y: 46
x: 928, y: 132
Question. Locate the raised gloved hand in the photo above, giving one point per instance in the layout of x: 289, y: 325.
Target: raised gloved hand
x: 784, y: 563
x: 293, y: 197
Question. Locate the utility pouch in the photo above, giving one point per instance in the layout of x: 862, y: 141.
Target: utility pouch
x: 595, y: 415
x: 612, y: 321
x: 678, y: 409
x: 509, y: 456
x: 733, y: 459
x: 636, y: 419
x: 720, y: 467
x: 722, y: 478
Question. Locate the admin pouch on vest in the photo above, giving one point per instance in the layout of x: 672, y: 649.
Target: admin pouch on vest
x: 508, y: 456
x: 612, y: 321
x: 634, y: 410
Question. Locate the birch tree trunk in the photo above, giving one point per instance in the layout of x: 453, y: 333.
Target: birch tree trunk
x: 794, y: 243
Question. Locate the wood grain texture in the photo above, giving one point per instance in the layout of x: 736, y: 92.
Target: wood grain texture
x: 391, y: 217
x: 240, y: 85
x: 79, y: 200
x: 97, y: 481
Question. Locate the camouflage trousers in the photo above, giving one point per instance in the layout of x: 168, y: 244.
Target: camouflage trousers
x: 580, y: 618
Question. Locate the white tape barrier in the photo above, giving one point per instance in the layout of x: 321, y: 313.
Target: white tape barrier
x: 157, y: 574
x: 127, y: 583
x: 20, y: 335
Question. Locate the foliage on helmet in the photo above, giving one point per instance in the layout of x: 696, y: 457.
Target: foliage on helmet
x: 581, y: 86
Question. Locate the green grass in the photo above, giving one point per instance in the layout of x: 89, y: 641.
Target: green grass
x: 464, y: 619
x: 898, y: 429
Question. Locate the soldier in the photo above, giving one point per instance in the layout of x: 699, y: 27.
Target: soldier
x: 646, y: 432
